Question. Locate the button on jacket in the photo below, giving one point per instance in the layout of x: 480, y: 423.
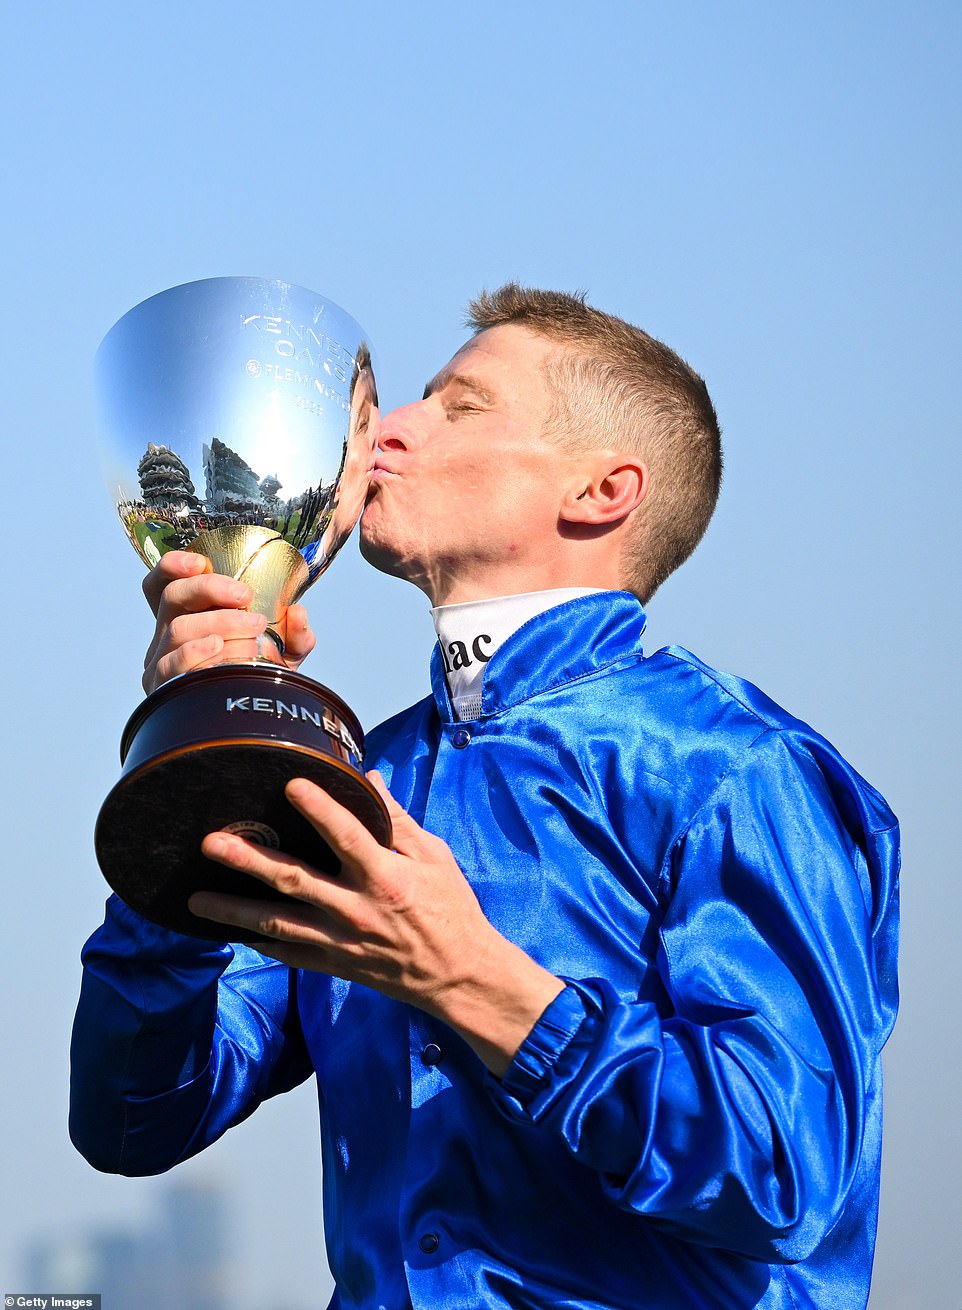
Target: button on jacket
x: 694, y: 1122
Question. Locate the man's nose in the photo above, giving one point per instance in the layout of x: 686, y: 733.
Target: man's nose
x: 398, y: 429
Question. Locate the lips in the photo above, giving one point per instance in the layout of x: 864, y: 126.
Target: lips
x: 379, y: 473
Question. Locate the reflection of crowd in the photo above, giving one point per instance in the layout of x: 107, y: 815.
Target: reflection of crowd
x: 300, y: 521
x: 315, y: 511
x: 202, y: 520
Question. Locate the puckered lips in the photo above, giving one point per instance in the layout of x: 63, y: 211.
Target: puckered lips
x: 381, y: 471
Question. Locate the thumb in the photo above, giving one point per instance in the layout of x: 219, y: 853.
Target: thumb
x: 298, y: 638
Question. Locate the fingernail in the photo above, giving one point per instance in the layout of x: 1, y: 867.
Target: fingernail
x: 254, y: 620
x: 239, y: 592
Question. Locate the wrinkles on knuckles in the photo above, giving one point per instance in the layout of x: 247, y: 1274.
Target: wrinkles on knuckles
x: 193, y: 655
x: 290, y: 881
x: 286, y: 930
x: 282, y: 872
x: 178, y: 630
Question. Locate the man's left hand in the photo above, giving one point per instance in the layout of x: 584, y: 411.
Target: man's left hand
x: 404, y: 922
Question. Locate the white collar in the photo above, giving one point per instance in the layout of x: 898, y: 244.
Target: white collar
x: 471, y: 632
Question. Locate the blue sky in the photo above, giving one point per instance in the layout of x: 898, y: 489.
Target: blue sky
x: 773, y: 189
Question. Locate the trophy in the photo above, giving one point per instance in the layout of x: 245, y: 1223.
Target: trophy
x: 240, y: 421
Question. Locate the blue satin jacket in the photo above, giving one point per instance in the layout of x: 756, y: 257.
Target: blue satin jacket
x: 694, y: 1122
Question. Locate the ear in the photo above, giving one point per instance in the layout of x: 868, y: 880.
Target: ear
x: 616, y: 485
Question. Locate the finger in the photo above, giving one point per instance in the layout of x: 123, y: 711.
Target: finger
x: 200, y: 654
x: 300, y: 941
x: 205, y: 595
x: 229, y: 625
x: 197, y: 595
x: 358, y: 850
x: 279, y: 870
x: 274, y: 922
x: 197, y: 641
x: 173, y: 565
x: 299, y: 640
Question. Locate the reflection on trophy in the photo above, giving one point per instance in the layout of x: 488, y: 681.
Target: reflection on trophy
x: 240, y: 421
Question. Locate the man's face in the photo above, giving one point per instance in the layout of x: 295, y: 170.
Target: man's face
x: 467, y: 488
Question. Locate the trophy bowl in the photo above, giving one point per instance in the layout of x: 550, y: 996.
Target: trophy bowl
x: 240, y: 421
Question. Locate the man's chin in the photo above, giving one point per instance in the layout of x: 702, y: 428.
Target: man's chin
x: 378, y: 554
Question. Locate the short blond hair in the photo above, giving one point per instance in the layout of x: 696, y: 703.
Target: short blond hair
x: 616, y: 387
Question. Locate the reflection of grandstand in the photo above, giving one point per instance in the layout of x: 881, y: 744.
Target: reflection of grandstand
x: 164, y: 478
x: 269, y: 488
x: 232, y: 484
x: 169, y: 516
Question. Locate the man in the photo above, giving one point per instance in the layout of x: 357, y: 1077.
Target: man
x: 604, y: 1028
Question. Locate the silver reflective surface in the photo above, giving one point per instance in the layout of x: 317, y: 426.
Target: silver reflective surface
x: 240, y: 420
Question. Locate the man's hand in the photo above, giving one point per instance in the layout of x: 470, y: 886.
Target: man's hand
x: 202, y: 620
x: 403, y: 921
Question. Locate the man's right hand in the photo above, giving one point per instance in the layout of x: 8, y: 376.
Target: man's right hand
x: 202, y: 620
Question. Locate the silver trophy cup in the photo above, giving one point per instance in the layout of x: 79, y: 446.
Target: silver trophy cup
x: 240, y: 421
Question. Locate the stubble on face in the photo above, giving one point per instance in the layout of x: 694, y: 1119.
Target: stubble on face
x: 463, y: 475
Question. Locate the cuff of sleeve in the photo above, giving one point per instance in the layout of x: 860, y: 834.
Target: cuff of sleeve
x: 541, y: 1049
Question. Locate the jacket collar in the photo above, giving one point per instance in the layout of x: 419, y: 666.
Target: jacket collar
x: 560, y: 645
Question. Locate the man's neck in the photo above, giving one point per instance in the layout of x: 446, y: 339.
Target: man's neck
x: 512, y: 581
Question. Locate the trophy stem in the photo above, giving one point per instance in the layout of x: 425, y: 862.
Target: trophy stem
x: 274, y: 570
x: 270, y: 647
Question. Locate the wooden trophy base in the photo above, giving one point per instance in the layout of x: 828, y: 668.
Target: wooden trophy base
x: 213, y: 750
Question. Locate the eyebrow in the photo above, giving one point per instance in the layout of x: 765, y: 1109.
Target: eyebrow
x: 444, y: 379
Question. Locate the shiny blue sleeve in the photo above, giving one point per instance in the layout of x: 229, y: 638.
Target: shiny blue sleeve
x: 742, y: 1112
x: 174, y: 1041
